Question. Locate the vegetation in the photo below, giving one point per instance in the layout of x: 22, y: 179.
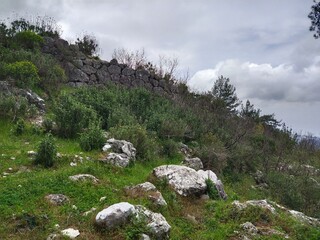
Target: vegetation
x: 231, y: 139
x: 314, y: 16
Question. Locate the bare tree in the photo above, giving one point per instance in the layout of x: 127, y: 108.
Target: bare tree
x: 167, y: 67
x: 132, y: 59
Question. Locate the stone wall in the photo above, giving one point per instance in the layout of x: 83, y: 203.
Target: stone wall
x: 82, y: 70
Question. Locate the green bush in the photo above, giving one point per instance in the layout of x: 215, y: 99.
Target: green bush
x: 71, y: 116
x: 47, y: 152
x: 169, y: 148
x: 93, y: 137
x: 19, y: 127
x: 136, y: 134
x: 24, y: 73
x: 212, y: 190
x: 13, y: 106
x: 28, y: 40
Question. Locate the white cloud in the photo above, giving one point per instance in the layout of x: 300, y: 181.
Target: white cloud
x: 264, y: 81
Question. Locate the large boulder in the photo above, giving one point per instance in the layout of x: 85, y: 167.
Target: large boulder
x: 122, y: 146
x: 122, y: 213
x: 184, y: 180
x: 208, y: 174
x: 147, y: 189
x: 118, y: 159
x: 115, y: 215
x: 194, y: 163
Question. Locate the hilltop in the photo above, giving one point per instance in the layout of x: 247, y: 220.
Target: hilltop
x: 81, y: 137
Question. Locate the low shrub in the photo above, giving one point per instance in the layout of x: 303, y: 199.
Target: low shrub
x: 19, y: 127
x: 71, y: 116
x: 92, y: 138
x: 24, y: 73
x: 145, y: 143
x: 13, y: 106
x: 28, y: 40
x: 47, y: 152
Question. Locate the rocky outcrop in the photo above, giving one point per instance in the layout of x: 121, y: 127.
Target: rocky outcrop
x: 122, y: 213
x: 148, y: 190
x: 83, y: 70
x: 124, y: 152
x: 256, y: 203
x: 184, y: 180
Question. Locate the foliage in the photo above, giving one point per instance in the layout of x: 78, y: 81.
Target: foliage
x: 28, y: 40
x: 24, y: 73
x: 314, y: 16
x: 93, y: 137
x: 211, y: 189
x: 46, y: 153
x: 144, y: 142
x: 19, y: 127
x: 223, y: 90
x: 72, y: 116
x: 88, y: 45
x: 13, y: 106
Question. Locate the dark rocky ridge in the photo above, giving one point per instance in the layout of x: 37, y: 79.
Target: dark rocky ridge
x: 83, y: 70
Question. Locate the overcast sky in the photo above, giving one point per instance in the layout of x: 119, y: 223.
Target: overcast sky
x: 264, y: 47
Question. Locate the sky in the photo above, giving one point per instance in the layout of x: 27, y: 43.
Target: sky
x: 265, y: 48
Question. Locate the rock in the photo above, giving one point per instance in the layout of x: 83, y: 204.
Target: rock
x: 78, y: 76
x: 115, y: 215
x: 70, y: 232
x: 88, y: 69
x: 103, y: 75
x: 257, y: 203
x: 114, y: 69
x: 184, y: 180
x: 83, y: 177
x: 185, y: 149
x: 31, y: 153
x: 194, y: 163
x: 118, y: 159
x: 102, y: 199
x: 73, y: 164
x: 128, y: 71
x: 114, y: 61
x: 124, y: 154
x: 33, y: 98
x: 57, y: 199
x: 89, y: 212
x: 149, y: 190
x: 208, y: 174
x: 106, y: 147
x: 249, y: 228
x: 53, y: 236
x: 204, y: 197
x: 122, y: 146
x: 158, y: 225
x: 304, y: 218
x: 144, y: 237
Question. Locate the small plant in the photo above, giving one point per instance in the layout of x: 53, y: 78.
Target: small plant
x: 47, y: 125
x: 93, y: 137
x: 137, y: 227
x: 47, y: 152
x: 211, y: 189
x: 19, y: 127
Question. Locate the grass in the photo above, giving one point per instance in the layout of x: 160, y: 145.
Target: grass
x: 25, y: 214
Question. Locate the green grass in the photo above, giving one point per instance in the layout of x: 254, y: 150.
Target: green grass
x: 25, y: 214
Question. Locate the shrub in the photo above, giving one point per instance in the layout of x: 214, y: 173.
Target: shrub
x: 47, y: 124
x: 212, y: 190
x: 24, y: 73
x: 47, y: 152
x: 88, y: 45
x: 28, y: 40
x: 169, y: 148
x: 71, y: 116
x: 93, y: 137
x: 136, y: 134
x: 19, y: 127
x: 13, y: 106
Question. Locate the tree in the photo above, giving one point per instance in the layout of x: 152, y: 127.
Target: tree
x: 88, y: 44
x: 314, y: 16
x: 223, y: 90
x: 133, y: 59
